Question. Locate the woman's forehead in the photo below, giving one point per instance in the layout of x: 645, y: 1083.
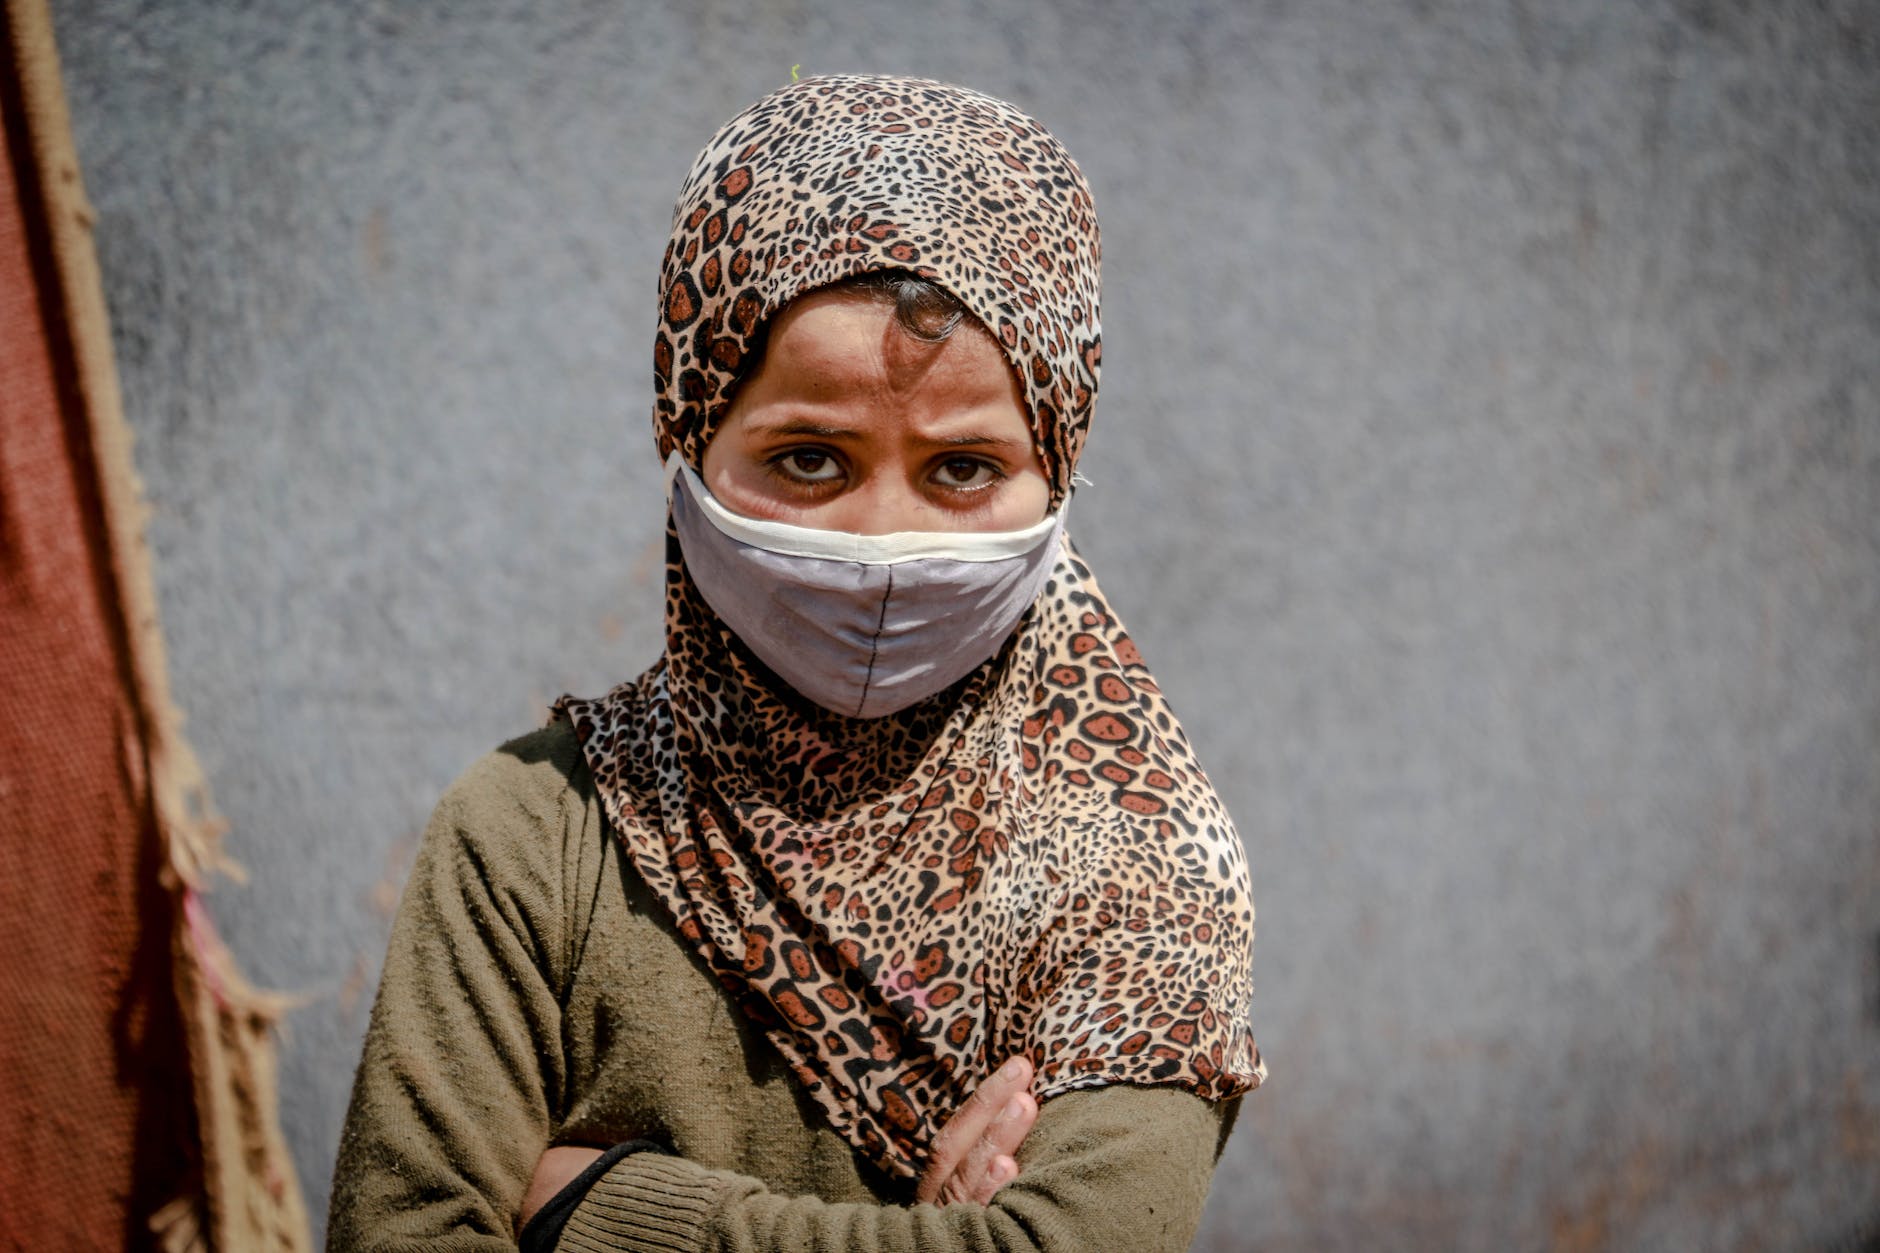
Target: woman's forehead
x: 842, y: 352
x: 838, y: 331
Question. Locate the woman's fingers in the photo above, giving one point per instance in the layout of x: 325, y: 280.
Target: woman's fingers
x: 971, y: 1120
x: 973, y: 1154
x: 992, y: 1161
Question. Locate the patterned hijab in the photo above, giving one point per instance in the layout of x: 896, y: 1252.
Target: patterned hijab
x: 1031, y: 861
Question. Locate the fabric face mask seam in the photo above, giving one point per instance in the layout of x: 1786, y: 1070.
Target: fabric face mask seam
x: 874, y: 644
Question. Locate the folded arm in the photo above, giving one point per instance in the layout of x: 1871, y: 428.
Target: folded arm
x: 1116, y: 1167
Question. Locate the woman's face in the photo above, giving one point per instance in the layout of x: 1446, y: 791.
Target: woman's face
x: 851, y: 424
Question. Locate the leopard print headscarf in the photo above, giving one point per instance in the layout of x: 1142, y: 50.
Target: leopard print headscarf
x: 1031, y: 861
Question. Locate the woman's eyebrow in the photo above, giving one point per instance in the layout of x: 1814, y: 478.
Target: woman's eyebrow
x: 971, y: 439
x: 800, y: 426
x: 820, y: 430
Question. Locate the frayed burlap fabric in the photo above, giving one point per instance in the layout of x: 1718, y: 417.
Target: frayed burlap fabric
x: 137, y: 1079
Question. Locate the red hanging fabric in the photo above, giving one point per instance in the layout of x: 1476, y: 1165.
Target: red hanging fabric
x: 135, y: 1066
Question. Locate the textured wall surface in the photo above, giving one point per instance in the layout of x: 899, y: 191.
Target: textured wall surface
x: 1489, y: 461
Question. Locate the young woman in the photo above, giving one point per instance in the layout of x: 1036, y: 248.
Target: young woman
x: 890, y: 909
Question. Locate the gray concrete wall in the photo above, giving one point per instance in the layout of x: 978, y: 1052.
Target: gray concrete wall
x: 1489, y: 460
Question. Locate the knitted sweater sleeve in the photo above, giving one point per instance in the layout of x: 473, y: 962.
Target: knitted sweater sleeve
x: 1116, y: 1167
x: 462, y: 1067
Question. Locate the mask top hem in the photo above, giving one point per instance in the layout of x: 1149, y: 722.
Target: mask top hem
x: 873, y: 550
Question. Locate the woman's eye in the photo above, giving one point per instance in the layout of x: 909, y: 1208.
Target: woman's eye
x: 808, y: 465
x: 965, y: 472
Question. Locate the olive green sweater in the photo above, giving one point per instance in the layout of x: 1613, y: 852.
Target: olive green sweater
x: 536, y: 993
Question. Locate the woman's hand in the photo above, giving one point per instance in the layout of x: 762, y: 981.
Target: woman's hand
x: 973, y: 1154
x: 557, y: 1169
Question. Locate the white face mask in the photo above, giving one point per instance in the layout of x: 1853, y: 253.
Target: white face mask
x: 863, y: 625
